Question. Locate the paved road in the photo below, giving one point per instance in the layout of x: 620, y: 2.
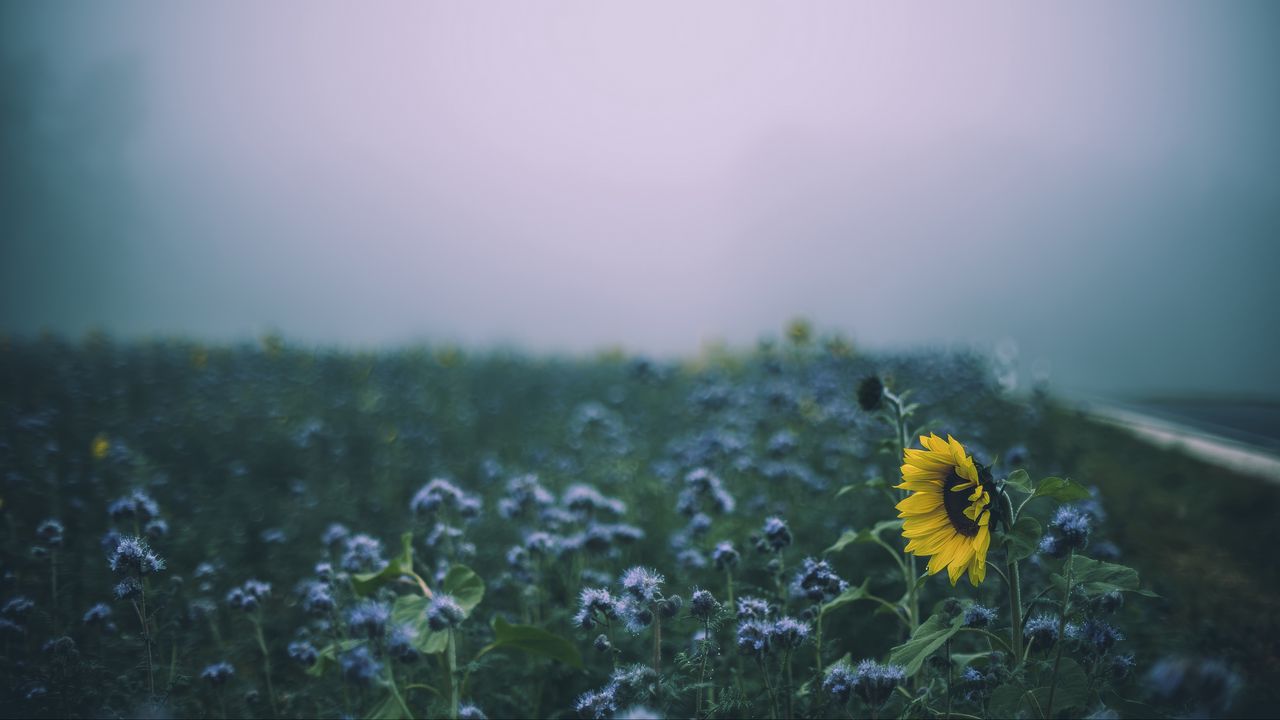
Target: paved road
x: 1239, y: 436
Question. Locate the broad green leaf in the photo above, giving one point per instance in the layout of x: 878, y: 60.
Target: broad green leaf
x: 411, y: 610
x: 533, y: 640
x: 465, y: 586
x: 402, y: 564
x: 853, y: 594
x: 1072, y: 691
x: 1024, y: 538
x: 1020, y: 480
x: 1061, y: 489
x: 1005, y: 700
x: 1096, y: 577
x: 849, y: 537
x: 388, y: 709
x: 925, y: 641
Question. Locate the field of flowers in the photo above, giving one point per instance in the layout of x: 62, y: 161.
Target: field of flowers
x: 268, y: 531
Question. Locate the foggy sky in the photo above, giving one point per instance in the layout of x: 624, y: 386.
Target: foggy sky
x: 1099, y: 182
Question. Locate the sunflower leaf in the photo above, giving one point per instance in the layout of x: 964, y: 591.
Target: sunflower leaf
x: 864, y: 535
x: 1019, y: 480
x: 925, y: 641
x: 1024, y: 538
x: 1061, y: 489
x: 853, y: 594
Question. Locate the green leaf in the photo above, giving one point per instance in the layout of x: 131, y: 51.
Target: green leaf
x: 853, y: 594
x: 533, y: 640
x: 465, y: 586
x: 1004, y: 701
x: 1072, y: 691
x: 1024, y: 538
x: 402, y: 564
x: 1020, y: 480
x: 925, y: 641
x: 1061, y: 489
x: 846, y: 490
x: 388, y: 709
x: 411, y: 610
x: 1096, y: 577
x: 329, y: 656
x: 849, y: 537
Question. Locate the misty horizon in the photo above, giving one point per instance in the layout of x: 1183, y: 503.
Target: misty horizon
x: 1095, y: 185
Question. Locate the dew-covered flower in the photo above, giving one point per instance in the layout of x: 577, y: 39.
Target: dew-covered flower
x: 400, y: 644
x: 1071, y: 528
x: 50, y: 532
x: 440, y: 494
x: 218, y: 673
x: 775, y: 535
x: 1097, y: 636
x: 874, y: 683
x: 597, y: 704
x: 137, y: 504
x: 703, y: 605
x: 753, y: 637
x: 595, y: 605
x: 753, y: 608
x: 334, y: 534
x: 359, y: 666
x: 839, y: 682
x: 789, y: 633
x: 725, y: 556
x: 586, y: 500
x: 817, y: 582
x: 444, y: 612
x: 524, y: 494
x: 978, y: 616
x: 317, y: 599
x: 127, y: 589
x: 642, y: 584
x: 133, y: 556
x: 1042, y: 630
x: 249, y: 596
x: 17, y: 606
x: 369, y: 618
x: 99, y: 613
x: 304, y: 653
x: 363, y: 554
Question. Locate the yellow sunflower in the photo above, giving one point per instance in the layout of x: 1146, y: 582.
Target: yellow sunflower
x: 947, y: 514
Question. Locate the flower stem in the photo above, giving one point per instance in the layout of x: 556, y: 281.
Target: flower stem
x: 702, y: 673
x: 1015, y: 585
x: 266, y: 664
x: 1062, y: 625
x: 451, y: 657
x: 948, y: 651
x: 657, y: 643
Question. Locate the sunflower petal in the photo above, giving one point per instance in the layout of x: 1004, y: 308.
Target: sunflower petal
x: 920, y: 503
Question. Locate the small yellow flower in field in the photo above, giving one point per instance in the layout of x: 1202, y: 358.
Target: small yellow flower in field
x: 199, y: 358
x: 947, y: 515
x: 100, y: 446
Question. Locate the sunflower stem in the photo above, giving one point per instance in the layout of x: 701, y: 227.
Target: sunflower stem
x: 1014, y: 582
x: 909, y: 569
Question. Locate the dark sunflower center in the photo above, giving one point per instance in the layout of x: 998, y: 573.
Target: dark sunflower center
x: 956, y: 503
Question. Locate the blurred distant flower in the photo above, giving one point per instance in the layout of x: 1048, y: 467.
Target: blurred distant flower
x: 359, y: 665
x: 100, y: 446
x: 871, y: 393
x: 874, y: 683
x: 304, y: 653
x: 947, y: 515
x: 218, y: 673
x: 369, y: 618
x: 50, y: 532
x: 249, y: 596
x: 363, y: 554
x: 137, y: 504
